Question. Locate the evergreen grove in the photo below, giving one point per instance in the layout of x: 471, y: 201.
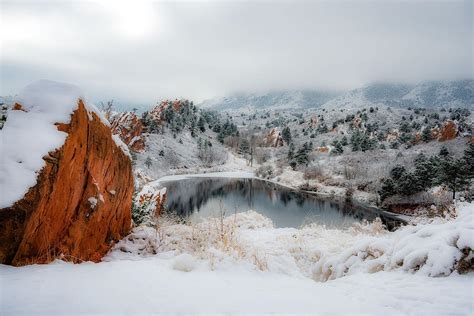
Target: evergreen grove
x: 442, y: 169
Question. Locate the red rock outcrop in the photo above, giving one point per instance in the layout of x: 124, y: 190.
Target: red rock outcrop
x: 416, y: 139
x: 357, y: 122
x: 313, y: 122
x: 81, y: 203
x: 128, y: 126
x: 448, y: 131
x: 156, y: 112
x: 274, y: 138
x: 153, y: 199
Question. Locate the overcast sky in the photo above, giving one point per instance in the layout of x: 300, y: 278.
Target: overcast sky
x: 141, y: 51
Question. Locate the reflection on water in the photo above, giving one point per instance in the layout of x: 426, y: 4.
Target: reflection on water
x: 202, y: 197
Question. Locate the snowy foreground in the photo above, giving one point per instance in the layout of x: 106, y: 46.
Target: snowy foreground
x: 241, y: 264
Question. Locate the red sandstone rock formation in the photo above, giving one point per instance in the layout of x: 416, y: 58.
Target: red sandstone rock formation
x: 156, y: 112
x: 128, y: 126
x: 274, y: 138
x: 81, y: 203
x: 448, y: 131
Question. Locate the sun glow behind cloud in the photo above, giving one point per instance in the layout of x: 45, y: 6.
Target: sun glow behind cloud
x: 133, y: 19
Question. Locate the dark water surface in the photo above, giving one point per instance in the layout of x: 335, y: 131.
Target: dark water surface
x: 202, y: 197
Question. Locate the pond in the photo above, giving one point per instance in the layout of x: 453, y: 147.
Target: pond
x: 197, y: 198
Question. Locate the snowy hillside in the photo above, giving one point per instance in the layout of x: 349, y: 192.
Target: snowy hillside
x: 427, y: 94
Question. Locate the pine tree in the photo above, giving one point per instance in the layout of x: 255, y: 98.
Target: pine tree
x: 148, y: 162
x: 388, y: 189
x: 302, y: 155
x: 201, y: 125
x: 397, y: 172
x: 452, y: 173
x: 469, y: 160
x: 426, y: 134
x: 344, y: 141
x: 337, y: 148
x: 424, y: 172
x: 443, y: 152
x: 192, y: 127
x: 244, y: 147
x: 394, y: 145
x: 220, y: 137
x: 286, y: 135
x: 291, y: 152
x: 355, y: 141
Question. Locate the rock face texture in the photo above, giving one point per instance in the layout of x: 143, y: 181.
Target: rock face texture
x: 128, y: 126
x: 81, y: 203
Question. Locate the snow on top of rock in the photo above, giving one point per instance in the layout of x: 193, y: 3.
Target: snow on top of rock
x: 29, y: 135
x: 120, y: 144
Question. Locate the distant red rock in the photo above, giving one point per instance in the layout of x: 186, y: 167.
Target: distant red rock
x: 323, y: 149
x: 156, y: 113
x: 274, y: 138
x: 448, y: 131
x: 128, y: 126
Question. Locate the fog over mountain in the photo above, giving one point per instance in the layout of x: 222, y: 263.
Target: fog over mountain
x: 427, y: 94
x: 138, y: 52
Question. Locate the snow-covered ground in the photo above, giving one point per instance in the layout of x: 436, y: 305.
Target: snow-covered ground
x: 241, y: 264
x: 223, y: 174
x: 153, y: 286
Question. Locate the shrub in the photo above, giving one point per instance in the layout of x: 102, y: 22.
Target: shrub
x: 313, y: 172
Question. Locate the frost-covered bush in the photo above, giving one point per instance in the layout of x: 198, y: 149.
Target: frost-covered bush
x: 314, y: 172
x: 265, y: 171
x: 146, y: 203
x: 140, y: 211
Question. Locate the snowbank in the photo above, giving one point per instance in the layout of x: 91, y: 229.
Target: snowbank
x: 314, y: 251
x: 433, y: 249
x: 29, y: 134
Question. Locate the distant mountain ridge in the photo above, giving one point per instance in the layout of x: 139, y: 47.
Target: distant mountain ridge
x: 458, y: 93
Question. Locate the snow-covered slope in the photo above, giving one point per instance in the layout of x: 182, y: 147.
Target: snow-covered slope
x: 271, y: 100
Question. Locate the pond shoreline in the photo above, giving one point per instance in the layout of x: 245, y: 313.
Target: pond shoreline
x: 390, y: 219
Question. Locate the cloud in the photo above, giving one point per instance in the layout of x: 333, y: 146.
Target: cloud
x: 143, y: 51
